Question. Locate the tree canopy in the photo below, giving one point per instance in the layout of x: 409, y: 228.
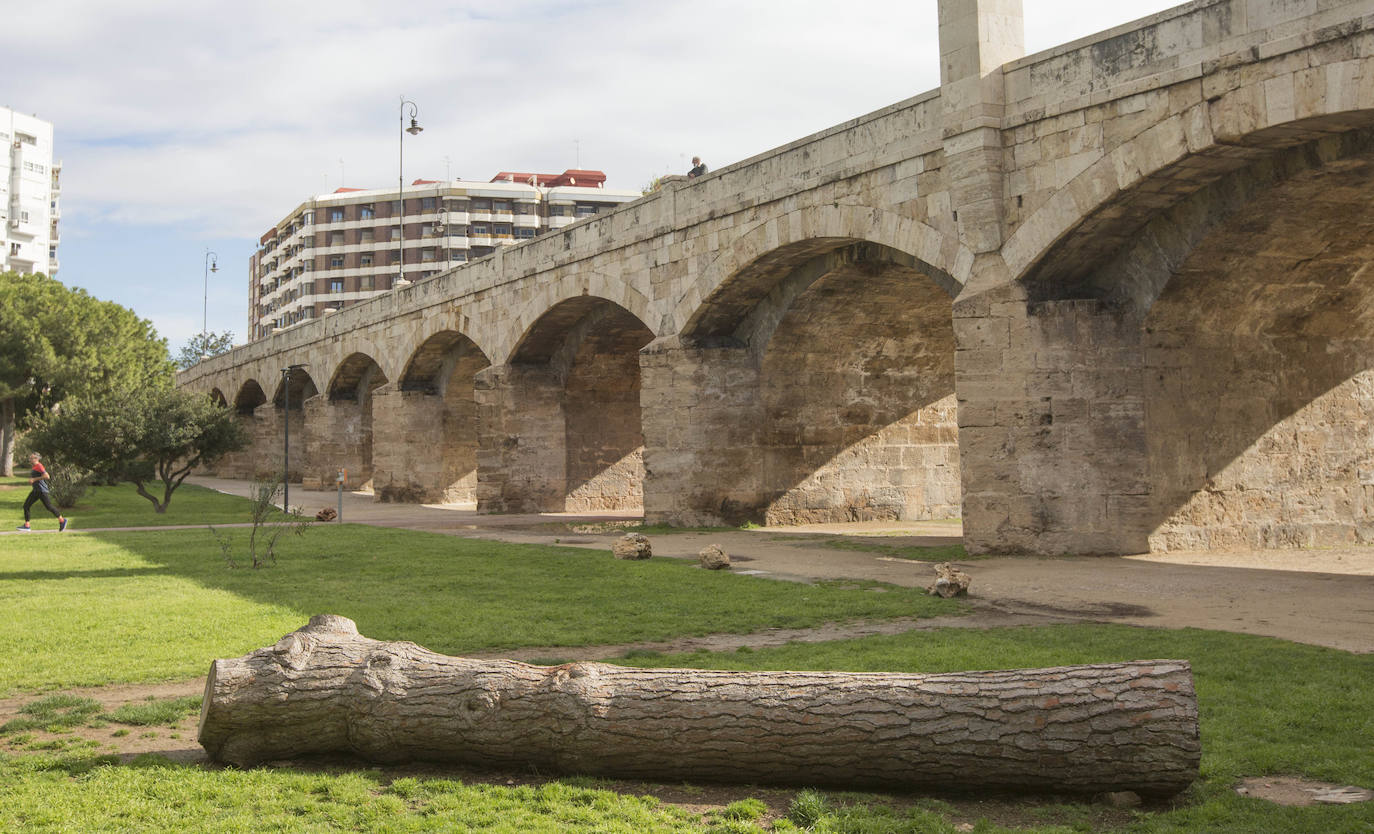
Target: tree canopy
x: 140, y: 435
x: 203, y: 346
x: 57, y: 342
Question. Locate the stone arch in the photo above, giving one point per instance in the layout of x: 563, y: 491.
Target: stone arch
x: 354, y: 377
x: 737, y: 272
x: 1231, y: 334
x: 341, y: 422
x: 250, y: 395
x: 840, y: 354
x: 302, y: 387
x: 589, y: 284
x: 428, y: 437
x: 218, y: 398
x: 565, y: 409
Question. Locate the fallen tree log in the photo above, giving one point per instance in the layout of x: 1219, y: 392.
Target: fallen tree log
x: 1075, y: 729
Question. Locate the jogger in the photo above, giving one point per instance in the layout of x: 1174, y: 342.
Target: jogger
x: 38, y: 479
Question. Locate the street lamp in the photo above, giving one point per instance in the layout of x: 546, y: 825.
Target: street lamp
x: 286, y: 435
x: 413, y: 130
x: 211, y: 265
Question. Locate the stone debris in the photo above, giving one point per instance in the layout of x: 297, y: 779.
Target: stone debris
x: 949, y: 581
x: 712, y: 557
x: 326, y: 514
x: 632, y: 546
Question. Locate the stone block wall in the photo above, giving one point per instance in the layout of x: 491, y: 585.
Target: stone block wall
x: 1051, y: 426
x: 701, y: 420
x: 339, y: 436
x: 858, y: 401
x: 604, y: 439
x: 521, y: 436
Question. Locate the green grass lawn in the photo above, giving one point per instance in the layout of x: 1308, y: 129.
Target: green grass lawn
x: 95, y: 608
x: 121, y: 506
x: 86, y: 609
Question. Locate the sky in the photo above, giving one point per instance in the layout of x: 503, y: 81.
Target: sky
x: 186, y: 127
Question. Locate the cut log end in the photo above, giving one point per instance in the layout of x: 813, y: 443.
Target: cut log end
x: 1075, y: 729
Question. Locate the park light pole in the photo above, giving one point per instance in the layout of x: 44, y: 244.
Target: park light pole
x: 286, y: 435
x: 413, y: 130
x: 211, y: 265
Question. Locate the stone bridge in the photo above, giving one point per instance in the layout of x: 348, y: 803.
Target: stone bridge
x: 1107, y: 298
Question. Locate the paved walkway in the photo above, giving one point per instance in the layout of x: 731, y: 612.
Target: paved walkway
x: 1321, y: 597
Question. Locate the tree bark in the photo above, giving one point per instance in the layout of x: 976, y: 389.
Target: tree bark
x: 1073, y: 729
x: 7, y: 436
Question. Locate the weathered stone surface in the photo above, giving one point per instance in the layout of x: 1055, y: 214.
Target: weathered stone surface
x: 632, y: 546
x: 1160, y: 336
x: 712, y: 557
x: 949, y: 581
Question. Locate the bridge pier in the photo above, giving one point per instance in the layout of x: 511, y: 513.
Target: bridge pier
x: 521, y: 440
x: 340, y: 436
x: 1051, y: 426
x: 702, y: 416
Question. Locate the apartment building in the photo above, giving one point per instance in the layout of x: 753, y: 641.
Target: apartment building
x: 30, y: 184
x: 337, y: 249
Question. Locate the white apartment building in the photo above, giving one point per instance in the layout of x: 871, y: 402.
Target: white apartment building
x: 30, y: 184
x: 337, y: 249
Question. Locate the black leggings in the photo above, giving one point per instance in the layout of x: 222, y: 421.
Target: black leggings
x: 39, y: 495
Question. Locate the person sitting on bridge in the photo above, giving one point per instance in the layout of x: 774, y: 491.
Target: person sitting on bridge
x: 698, y: 168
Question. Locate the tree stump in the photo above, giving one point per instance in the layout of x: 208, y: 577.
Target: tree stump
x: 325, y: 689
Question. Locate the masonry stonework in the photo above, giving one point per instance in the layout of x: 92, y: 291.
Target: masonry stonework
x: 1124, y: 278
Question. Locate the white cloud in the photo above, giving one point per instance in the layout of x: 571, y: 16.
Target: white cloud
x: 215, y: 119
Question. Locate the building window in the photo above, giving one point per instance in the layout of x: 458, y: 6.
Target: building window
x: 501, y: 205
x: 395, y: 208
x: 427, y: 204
x: 336, y: 238
x: 365, y: 283
x: 458, y: 255
x: 479, y: 230
x: 481, y: 205
x: 14, y: 249
x: 426, y: 230
x: 336, y: 285
x: 365, y: 259
x: 427, y: 254
x: 367, y: 236
x: 336, y: 262
x: 395, y: 256
x: 366, y: 212
x: 336, y: 215
x: 524, y: 232
x: 586, y: 211
x: 501, y: 229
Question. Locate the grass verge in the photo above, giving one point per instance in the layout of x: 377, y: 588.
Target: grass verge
x: 128, y: 607
x: 121, y: 506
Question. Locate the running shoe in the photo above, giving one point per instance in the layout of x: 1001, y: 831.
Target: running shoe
x: 62, y: 524
x: 24, y: 528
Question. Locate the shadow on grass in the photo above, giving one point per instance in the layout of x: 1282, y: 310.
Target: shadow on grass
x: 457, y: 595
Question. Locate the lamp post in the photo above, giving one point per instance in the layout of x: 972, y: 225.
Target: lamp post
x: 286, y: 435
x: 413, y: 130
x: 211, y: 265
